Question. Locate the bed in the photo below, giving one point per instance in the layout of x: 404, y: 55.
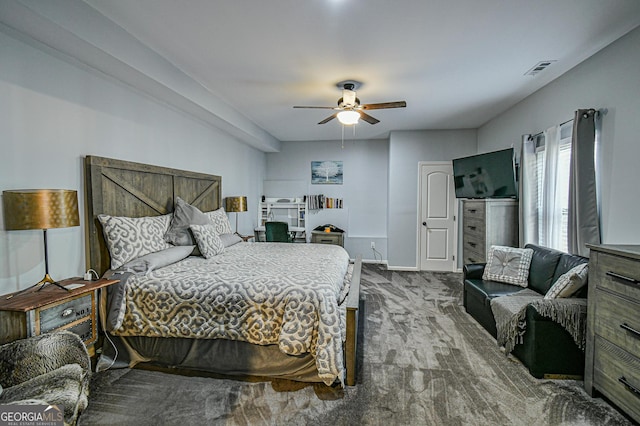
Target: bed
x: 260, y: 309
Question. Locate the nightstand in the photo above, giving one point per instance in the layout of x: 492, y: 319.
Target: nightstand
x: 322, y: 237
x: 32, y: 312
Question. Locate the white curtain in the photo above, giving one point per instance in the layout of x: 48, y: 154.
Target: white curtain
x: 551, y: 215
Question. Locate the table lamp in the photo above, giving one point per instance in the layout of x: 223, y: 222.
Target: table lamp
x: 235, y: 205
x: 41, y: 209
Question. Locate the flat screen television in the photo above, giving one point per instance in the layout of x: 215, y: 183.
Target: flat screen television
x: 489, y: 175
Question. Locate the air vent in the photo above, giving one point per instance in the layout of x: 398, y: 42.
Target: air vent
x: 539, y: 67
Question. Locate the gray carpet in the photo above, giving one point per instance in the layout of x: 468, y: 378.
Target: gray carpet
x: 424, y: 360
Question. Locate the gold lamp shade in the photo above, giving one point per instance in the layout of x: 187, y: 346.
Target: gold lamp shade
x: 235, y: 204
x: 40, y: 209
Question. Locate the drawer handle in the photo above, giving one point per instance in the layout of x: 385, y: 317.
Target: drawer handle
x: 471, y: 227
x: 67, y: 312
x: 629, y: 386
x: 473, y: 210
x: 472, y: 244
x: 628, y: 328
x: 622, y: 277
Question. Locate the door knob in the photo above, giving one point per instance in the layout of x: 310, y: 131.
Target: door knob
x: 424, y: 223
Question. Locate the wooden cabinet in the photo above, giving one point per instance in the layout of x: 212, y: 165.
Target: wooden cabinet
x: 485, y: 223
x: 612, y: 364
x: 32, y: 312
x: 321, y: 237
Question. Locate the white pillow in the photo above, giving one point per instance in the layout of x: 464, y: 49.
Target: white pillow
x: 220, y: 221
x: 208, y: 240
x: 508, y: 265
x: 569, y: 283
x: 128, y: 238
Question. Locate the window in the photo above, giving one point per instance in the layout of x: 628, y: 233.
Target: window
x: 552, y: 190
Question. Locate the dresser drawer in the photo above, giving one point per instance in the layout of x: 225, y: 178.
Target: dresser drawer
x: 474, y: 226
x: 326, y: 238
x: 619, y: 275
x: 472, y: 243
x: 473, y: 256
x: 617, y: 320
x: 617, y: 375
x: 473, y: 210
x: 51, y: 318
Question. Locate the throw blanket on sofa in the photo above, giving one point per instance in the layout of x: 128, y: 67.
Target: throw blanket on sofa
x: 509, y: 312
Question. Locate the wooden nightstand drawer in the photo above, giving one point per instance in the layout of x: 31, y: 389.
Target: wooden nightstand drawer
x: 618, y: 274
x: 85, y: 330
x: 56, y: 316
x: 336, y: 238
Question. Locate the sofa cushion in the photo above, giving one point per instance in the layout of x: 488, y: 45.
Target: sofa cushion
x: 566, y: 263
x: 543, y: 267
x: 491, y: 289
x: 569, y: 283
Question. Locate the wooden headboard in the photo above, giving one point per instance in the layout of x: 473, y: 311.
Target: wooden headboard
x: 124, y: 188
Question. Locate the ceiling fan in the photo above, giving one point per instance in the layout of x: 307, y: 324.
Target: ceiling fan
x: 349, y: 108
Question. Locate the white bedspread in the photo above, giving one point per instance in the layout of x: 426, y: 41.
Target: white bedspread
x: 261, y: 293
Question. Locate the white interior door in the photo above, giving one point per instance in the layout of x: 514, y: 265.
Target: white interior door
x: 437, y: 217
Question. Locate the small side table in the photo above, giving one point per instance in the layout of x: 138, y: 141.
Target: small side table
x: 322, y: 237
x: 31, y: 312
x: 246, y: 238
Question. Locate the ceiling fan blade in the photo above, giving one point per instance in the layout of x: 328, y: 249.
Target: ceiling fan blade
x: 315, y: 107
x: 369, y: 119
x: 384, y: 105
x: 329, y: 118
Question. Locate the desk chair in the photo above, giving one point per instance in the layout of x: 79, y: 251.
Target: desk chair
x: 277, y: 232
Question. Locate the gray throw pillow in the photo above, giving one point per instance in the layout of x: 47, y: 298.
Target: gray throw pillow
x: 184, y: 215
x: 230, y: 239
x: 508, y: 265
x: 208, y: 240
x: 569, y: 283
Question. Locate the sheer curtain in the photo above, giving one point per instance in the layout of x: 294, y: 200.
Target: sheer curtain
x: 544, y: 185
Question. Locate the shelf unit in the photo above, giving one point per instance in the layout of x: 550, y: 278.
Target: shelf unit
x: 290, y: 210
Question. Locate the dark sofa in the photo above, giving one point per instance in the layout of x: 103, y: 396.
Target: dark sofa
x: 547, y: 350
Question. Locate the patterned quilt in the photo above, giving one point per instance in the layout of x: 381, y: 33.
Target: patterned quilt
x: 261, y: 293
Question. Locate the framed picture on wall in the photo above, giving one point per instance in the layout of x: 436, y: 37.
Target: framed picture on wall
x: 326, y: 172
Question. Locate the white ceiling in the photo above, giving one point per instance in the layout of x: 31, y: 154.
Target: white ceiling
x: 457, y: 63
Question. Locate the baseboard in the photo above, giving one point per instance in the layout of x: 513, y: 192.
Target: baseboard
x: 403, y: 268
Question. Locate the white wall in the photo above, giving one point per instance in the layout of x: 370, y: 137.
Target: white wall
x: 364, y: 191
x: 406, y: 149
x: 53, y: 113
x: 609, y: 80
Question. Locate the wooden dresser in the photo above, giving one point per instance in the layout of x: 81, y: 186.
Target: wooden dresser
x: 612, y: 365
x: 485, y: 223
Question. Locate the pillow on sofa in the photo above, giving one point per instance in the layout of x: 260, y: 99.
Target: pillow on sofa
x: 508, y: 265
x: 569, y: 283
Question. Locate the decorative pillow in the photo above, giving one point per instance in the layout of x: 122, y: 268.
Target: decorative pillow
x: 569, y: 283
x: 159, y: 259
x: 230, y: 239
x: 208, y: 240
x: 128, y: 238
x: 220, y: 221
x: 508, y: 265
x: 184, y: 215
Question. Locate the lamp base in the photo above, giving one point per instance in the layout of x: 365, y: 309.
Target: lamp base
x: 46, y: 281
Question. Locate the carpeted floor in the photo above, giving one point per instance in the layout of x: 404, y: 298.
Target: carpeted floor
x: 424, y: 361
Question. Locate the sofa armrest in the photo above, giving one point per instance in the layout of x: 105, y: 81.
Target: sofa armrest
x: 473, y: 271
x: 25, y: 359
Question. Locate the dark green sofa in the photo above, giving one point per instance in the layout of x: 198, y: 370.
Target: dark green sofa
x: 547, y: 350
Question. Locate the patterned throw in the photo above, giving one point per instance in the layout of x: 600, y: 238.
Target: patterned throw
x: 266, y: 293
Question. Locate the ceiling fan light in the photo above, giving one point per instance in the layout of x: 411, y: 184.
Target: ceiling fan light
x: 349, y: 117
